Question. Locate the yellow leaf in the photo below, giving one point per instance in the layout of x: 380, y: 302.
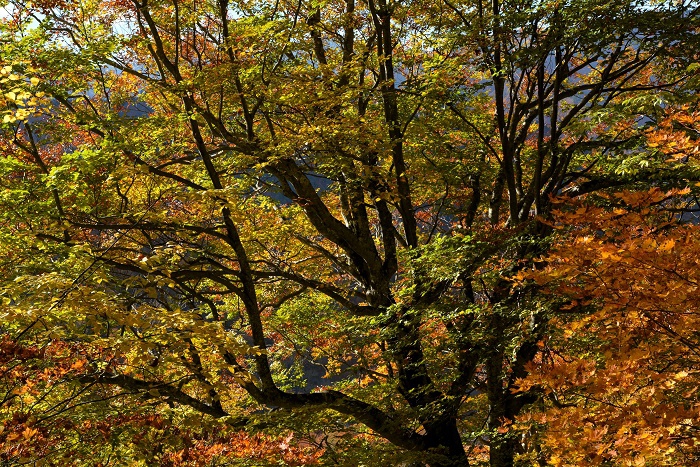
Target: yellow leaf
x: 667, y: 245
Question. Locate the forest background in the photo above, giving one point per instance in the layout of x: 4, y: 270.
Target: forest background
x: 349, y: 232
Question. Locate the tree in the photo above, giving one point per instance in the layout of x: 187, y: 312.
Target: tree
x: 206, y: 201
x: 628, y: 342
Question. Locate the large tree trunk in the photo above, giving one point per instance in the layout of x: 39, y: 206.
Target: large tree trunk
x: 502, y: 446
x: 448, y: 450
x: 502, y: 452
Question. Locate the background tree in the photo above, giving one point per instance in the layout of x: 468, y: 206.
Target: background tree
x: 210, y: 201
x: 621, y: 373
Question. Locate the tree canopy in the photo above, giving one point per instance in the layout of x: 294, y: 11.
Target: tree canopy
x: 340, y: 232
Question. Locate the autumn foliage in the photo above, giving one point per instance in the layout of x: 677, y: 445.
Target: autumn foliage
x: 344, y: 232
